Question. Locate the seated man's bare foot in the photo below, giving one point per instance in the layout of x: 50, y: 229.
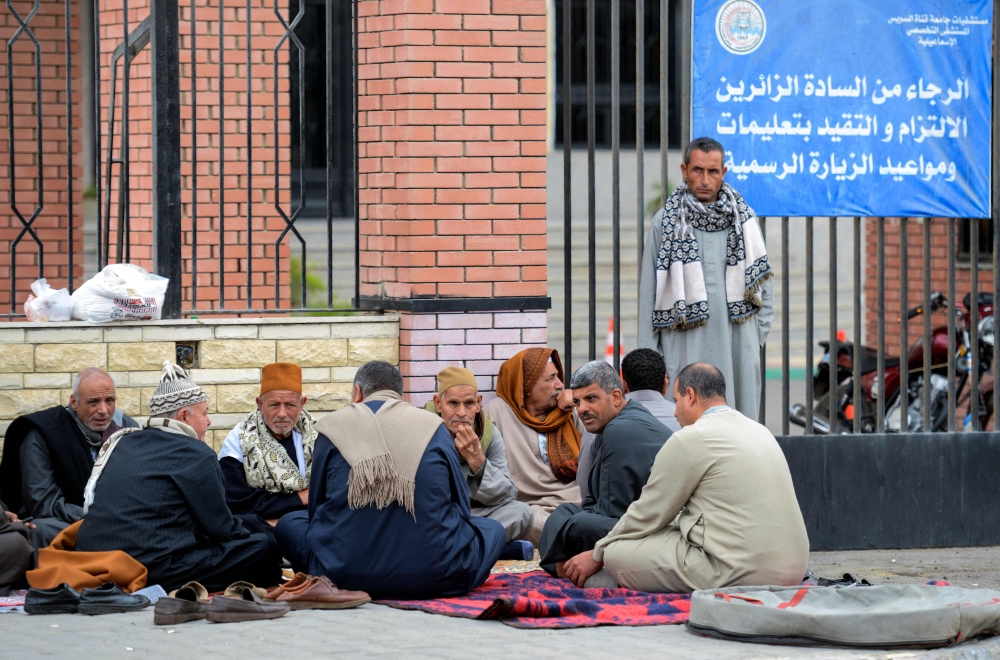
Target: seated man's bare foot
x: 560, y: 569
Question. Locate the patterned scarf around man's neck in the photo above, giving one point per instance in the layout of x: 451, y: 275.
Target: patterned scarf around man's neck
x: 266, y: 463
x: 681, y: 298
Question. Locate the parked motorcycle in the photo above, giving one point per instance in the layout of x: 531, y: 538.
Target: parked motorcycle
x: 911, y: 396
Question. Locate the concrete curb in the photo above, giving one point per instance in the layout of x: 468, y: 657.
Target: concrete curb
x: 988, y: 649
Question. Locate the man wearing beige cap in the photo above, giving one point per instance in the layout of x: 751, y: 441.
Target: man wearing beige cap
x: 481, y: 451
x: 267, y: 459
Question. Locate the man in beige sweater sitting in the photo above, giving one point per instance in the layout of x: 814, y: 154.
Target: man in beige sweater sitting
x: 719, y: 508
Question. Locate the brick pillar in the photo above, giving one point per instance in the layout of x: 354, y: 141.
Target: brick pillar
x: 244, y: 192
x: 49, y: 197
x: 452, y: 179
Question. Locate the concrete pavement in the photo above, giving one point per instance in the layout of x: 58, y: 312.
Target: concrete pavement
x: 379, y: 631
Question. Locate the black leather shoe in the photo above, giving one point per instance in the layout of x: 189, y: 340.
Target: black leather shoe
x: 63, y: 599
x: 110, y: 599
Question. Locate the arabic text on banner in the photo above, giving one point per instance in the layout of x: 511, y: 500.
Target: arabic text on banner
x: 849, y: 107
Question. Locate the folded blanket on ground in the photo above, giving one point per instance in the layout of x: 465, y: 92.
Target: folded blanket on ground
x: 61, y: 563
x: 536, y: 600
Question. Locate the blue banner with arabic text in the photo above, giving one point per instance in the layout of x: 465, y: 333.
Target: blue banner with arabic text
x: 848, y: 107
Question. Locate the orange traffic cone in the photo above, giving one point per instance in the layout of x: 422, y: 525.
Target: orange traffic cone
x: 609, y: 351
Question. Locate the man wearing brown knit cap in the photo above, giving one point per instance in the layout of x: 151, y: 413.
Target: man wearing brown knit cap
x: 267, y: 459
x: 481, y: 452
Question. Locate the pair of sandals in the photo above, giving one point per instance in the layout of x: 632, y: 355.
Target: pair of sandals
x: 241, y: 601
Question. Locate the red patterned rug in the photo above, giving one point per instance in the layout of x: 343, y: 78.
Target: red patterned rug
x: 536, y: 600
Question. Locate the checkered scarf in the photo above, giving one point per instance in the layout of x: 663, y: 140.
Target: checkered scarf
x: 681, y: 298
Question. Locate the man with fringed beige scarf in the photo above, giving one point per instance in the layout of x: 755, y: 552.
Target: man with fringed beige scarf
x: 388, y: 503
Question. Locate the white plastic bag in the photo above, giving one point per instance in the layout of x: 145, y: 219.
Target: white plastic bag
x: 120, y: 292
x: 47, y: 304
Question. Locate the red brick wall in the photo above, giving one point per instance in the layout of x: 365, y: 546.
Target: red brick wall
x: 914, y: 277
x: 479, y: 342
x: 52, y: 223
x: 452, y: 148
x: 452, y: 174
x: 260, y: 202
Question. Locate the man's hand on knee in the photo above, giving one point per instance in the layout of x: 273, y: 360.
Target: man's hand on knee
x: 581, y: 567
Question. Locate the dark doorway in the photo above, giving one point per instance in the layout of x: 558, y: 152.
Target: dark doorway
x: 312, y: 158
x: 602, y: 72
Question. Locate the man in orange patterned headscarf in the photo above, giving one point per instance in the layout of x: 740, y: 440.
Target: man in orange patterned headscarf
x: 542, y: 436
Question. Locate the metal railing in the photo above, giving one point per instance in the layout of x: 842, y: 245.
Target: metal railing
x: 115, y: 182
x: 920, y: 386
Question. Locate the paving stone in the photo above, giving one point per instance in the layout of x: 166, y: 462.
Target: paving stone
x: 313, y: 352
x: 17, y: 358
x: 235, y: 353
x: 70, y: 357
x: 361, y: 351
x: 142, y: 356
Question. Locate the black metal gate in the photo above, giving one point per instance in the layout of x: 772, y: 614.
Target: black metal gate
x: 318, y: 86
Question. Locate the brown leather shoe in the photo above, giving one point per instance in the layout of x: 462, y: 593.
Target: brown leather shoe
x: 294, y: 584
x: 189, y: 603
x: 321, y: 594
x: 243, y: 602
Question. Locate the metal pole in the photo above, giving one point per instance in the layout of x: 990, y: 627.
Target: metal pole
x: 904, y: 326
x: 249, y: 162
x: 222, y: 156
x: 331, y: 127
x: 640, y: 134
x: 69, y: 141
x: 686, y: 28
x: 762, y: 409
x: 810, y: 394
x: 974, y: 325
x: 858, y: 353
x: 664, y: 96
x: 357, y: 168
x: 591, y: 184
x: 785, y: 394
x: 952, y: 302
x: 927, y: 326
x: 194, y: 158
x: 97, y: 131
x: 995, y: 212
x: 615, y: 182
x: 125, y: 180
x: 834, y: 348
x: 880, y: 278
x: 166, y: 144
x: 567, y: 184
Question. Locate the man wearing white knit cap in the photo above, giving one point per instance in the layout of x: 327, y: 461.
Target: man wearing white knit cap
x: 157, y: 494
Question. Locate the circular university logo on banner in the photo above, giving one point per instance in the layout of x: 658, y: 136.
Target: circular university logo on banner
x: 740, y: 26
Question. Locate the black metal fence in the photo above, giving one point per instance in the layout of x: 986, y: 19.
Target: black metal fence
x: 849, y: 393
x: 191, y: 239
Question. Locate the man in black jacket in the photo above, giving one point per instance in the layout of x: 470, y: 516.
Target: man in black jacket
x: 157, y: 494
x: 267, y: 459
x: 627, y: 440
x: 48, y: 455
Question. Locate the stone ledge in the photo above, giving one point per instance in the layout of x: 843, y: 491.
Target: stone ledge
x: 315, y: 320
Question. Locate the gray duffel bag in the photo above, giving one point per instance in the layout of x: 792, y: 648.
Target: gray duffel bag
x: 889, y: 616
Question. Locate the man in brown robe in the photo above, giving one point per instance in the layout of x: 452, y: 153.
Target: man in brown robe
x: 541, y: 431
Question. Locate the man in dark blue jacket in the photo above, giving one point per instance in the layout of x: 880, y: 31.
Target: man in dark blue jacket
x: 388, y: 503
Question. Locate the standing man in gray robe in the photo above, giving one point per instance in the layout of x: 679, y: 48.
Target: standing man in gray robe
x: 626, y: 442
x: 481, y: 452
x: 705, y: 290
